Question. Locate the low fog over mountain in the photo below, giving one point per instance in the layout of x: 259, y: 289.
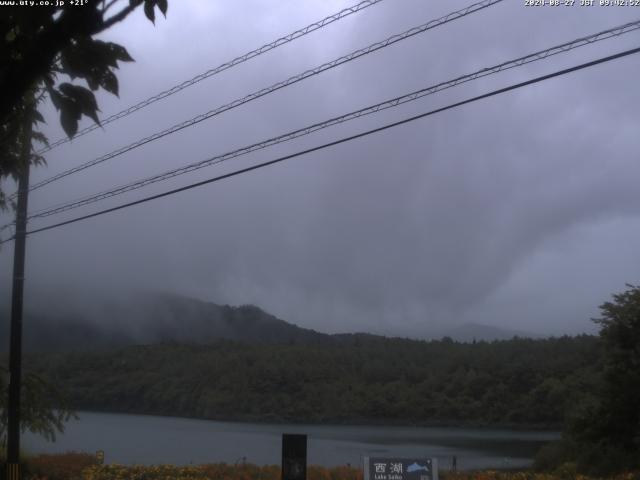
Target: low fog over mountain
x: 521, y: 211
x: 70, y: 323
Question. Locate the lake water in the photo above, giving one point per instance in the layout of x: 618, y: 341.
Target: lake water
x: 142, y: 439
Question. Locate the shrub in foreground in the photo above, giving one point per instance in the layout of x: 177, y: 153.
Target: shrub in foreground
x: 64, y: 466
x: 217, y: 471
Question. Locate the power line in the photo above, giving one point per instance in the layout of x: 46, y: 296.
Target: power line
x: 277, y: 86
x: 220, y: 68
x: 342, y: 140
x: 539, y: 55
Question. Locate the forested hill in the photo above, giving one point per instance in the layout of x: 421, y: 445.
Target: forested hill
x: 74, y: 323
x: 358, y: 379
x: 149, y: 319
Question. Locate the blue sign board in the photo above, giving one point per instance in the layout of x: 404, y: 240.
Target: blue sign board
x: 379, y: 468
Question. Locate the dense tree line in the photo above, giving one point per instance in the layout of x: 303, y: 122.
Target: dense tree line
x: 357, y: 378
x: 602, y: 431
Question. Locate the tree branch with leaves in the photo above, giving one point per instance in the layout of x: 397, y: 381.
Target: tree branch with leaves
x: 45, y: 409
x: 51, y: 50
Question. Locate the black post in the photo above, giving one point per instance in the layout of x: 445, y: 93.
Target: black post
x: 15, y: 345
x: 294, y: 457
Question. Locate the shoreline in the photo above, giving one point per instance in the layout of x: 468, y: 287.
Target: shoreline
x: 245, y: 419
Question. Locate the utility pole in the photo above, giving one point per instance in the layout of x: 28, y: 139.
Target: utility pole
x: 15, y: 346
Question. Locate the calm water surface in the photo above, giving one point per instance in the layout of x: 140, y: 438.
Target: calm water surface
x: 142, y: 439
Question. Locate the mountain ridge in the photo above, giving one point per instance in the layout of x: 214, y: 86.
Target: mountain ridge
x: 153, y: 318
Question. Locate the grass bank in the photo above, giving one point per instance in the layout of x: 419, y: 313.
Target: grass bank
x: 81, y: 466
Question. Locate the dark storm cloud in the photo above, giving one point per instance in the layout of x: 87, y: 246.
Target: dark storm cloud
x: 515, y: 211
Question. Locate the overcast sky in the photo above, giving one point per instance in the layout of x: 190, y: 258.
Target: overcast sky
x: 519, y: 211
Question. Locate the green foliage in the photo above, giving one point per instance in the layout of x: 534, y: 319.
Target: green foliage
x: 13, y: 138
x: 620, y: 333
x: 37, y: 47
x: 44, y: 409
x: 554, y: 454
x: 603, y: 430
x: 353, y: 379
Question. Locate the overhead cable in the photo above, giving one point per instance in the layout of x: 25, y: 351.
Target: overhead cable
x: 219, y: 69
x: 394, y: 102
x: 340, y: 141
x: 277, y: 86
